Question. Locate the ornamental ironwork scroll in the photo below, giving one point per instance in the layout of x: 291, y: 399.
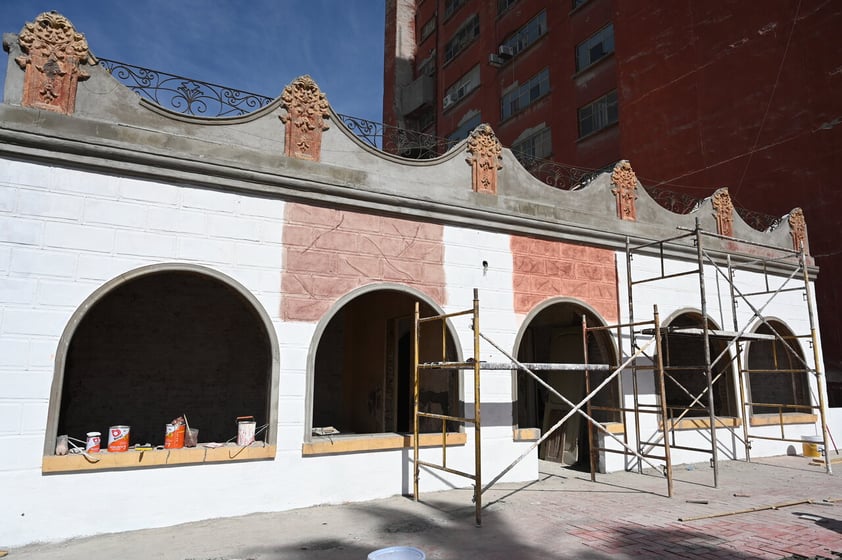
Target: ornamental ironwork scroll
x: 625, y: 191
x: 184, y: 95
x: 484, y: 157
x: 306, y: 118
x: 724, y: 212
x: 53, y: 52
x: 798, y: 230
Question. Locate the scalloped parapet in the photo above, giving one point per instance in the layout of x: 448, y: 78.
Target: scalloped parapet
x: 306, y: 118
x: 625, y: 190
x: 53, y: 52
x: 724, y: 212
x: 485, y: 159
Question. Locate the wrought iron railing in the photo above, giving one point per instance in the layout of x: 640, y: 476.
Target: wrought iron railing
x: 184, y: 95
x: 198, y: 98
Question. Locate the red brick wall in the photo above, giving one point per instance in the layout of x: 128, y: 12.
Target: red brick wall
x: 328, y: 253
x: 546, y: 269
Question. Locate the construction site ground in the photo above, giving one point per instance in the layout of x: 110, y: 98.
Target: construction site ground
x: 561, y: 515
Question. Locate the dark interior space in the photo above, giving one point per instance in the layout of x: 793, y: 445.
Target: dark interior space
x: 162, y: 345
x: 788, y: 385
x: 363, y: 369
x: 555, y: 336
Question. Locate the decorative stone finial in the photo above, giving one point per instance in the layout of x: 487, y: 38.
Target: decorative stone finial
x: 798, y: 230
x: 724, y: 212
x: 53, y: 52
x: 625, y: 181
x: 307, y: 111
x: 485, y: 158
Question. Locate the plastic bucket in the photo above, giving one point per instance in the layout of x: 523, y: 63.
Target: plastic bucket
x: 397, y: 553
x: 118, y: 439
x: 245, y: 433
x: 811, y: 445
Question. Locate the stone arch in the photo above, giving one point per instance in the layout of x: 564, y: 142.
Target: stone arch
x: 365, y: 337
x: 149, y: 346
x: 551, y: 333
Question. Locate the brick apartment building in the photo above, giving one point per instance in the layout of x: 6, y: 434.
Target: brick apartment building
x: 696, y: 95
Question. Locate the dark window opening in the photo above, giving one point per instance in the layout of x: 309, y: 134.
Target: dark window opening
x: 555, y: 336
x: 686, y: 378
x: 162, y: 345
x: 782, y: 379
x: 363, y: 376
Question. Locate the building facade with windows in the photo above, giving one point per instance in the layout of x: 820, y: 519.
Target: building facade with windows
x: 269, y: 265
x: 727, y: 94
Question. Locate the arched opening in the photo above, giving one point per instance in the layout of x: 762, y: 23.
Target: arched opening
x: 554, y: 335
x: 362, y: 373
x: 684, y: 366
x: 161, y: 342
x: 776, y: 373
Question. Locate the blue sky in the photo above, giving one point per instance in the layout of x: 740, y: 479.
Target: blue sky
x: 253, y: 45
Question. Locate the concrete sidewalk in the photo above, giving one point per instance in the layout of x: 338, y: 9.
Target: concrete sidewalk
x: 562, y: 515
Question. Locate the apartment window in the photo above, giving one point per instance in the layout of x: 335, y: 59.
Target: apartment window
x: 465, y: 128
x: 427, y: 67
x: 598, y: 115
x: 595, y: 48
x: 521, y: 97
x: 465, y: 85
x: 527, y: 34
x: 535, y: 146
x: 450, y: 7
x: 503, y: 5
x: 428, y: 28
x: 577, y: 3
x: 464, y: 35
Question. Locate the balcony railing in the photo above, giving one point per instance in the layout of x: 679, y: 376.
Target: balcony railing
x: 205, y: 99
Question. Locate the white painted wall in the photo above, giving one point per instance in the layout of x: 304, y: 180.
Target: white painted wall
x: 63, y: 233
x: 680, y: 294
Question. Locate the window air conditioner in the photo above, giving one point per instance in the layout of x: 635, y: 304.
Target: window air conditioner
x: 495, y: 60
x: 505, y: 51
x: 449, y: 100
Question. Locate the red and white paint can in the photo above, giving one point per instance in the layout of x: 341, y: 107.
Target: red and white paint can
x: 118, y: 439
x: 174, y: 436
x: 92, y: 444
x: 245, y: 430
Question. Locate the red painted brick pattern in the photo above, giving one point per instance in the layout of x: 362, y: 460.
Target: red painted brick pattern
x: 545, y: 269
x: 329, y: 252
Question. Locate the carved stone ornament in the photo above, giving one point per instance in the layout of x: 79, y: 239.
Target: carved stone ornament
x: 484, y: 157
x: 798, y: 230
x: 625, y: 191
x: 53, y: 52
x: 307, y: 111
x: 724, y: 212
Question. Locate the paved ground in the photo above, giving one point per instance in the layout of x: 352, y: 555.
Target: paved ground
x: 563, y: 515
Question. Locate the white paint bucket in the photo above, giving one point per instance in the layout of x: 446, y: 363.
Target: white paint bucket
x: 92, y: 444
x: 397, y: 553
x: 245, y: 432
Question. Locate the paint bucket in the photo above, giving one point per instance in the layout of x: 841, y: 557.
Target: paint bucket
x: 118, y: 439
x: 397, y: 553
x: 245, y: 430
x: 812, y: 446
x: 174, y: 436
x: 93, y: 442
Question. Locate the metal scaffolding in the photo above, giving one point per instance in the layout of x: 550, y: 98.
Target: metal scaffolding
x: 648, y: 352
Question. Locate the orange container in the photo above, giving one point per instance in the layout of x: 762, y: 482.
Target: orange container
x: 118, y: 439
x: 174, y: 436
